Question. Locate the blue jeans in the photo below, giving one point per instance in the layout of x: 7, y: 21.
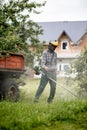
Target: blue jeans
x: 45, y: 78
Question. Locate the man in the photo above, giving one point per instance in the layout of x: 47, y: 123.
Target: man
x: 49, y: 72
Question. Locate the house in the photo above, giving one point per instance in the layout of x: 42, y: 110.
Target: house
x: 71, y: 37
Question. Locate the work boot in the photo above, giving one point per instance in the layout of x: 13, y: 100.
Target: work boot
x: 35, y: 100
x: 49, y: 100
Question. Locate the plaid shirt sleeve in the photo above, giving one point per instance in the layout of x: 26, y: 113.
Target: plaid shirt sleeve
x: 44, y: 59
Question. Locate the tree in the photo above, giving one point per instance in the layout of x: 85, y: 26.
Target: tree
x: 80, y: 67
x: 16, y: 27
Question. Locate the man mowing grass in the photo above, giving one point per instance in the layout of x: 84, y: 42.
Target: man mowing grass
x: 49, y: 71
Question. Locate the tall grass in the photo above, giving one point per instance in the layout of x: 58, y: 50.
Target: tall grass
x: 62, y: 114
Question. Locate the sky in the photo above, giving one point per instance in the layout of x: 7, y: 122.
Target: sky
x: 62, y: 10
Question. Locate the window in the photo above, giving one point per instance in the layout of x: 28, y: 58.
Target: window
x: 65, y: 67
x: 64, y: 45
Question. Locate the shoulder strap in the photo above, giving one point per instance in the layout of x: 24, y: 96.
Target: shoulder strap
x: 52, y: 58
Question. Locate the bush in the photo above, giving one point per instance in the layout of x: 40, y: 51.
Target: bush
x: 80, y: 67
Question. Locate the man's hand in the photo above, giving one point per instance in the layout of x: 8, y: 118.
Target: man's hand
x: 46, y: 68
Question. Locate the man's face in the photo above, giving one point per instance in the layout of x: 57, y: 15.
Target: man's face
x: 51, y: 47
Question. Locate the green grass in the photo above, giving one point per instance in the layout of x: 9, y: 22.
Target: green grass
x: 62, y: 114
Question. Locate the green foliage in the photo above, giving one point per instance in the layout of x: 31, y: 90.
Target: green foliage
x: 16, y: 26
x: 41, y: 116
x: 81, y: 69
x: 26, y: 115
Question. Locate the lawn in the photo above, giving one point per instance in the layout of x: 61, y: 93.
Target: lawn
x: 67, y: 112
